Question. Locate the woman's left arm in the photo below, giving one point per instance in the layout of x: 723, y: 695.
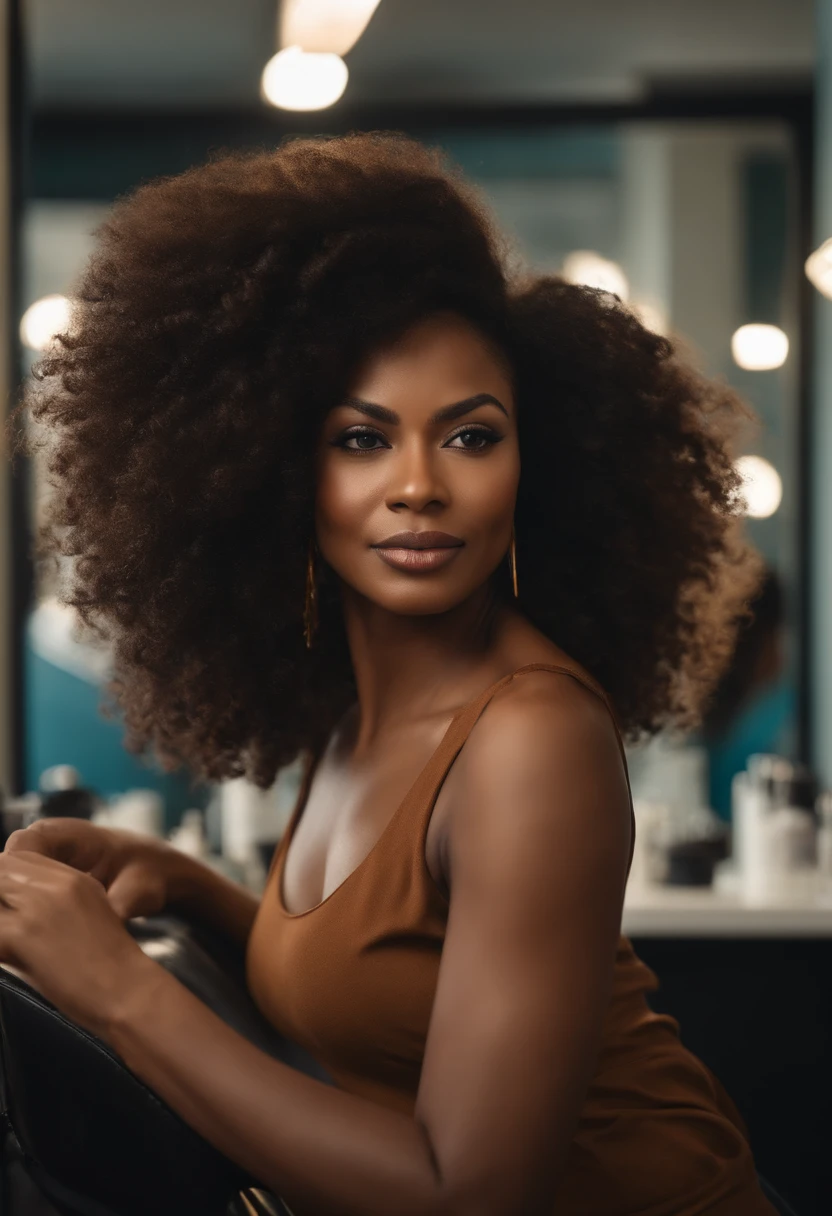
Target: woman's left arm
x: 539, y: 845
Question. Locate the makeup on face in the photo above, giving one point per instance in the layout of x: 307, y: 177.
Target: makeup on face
x: 417, y: 470
x: 417, y: 552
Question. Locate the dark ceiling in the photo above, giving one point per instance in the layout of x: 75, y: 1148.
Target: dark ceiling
x: 198, y: 54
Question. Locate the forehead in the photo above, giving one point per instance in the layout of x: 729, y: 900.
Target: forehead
x: 441, y: 357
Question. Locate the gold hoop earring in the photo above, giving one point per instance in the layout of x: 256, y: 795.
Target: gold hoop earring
x: 512, y: 561
x: 310, y: 607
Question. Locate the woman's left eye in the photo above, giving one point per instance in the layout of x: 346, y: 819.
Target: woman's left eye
x: 475, y: 439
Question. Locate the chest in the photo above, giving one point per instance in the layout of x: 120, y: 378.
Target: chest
x: 347, y: 813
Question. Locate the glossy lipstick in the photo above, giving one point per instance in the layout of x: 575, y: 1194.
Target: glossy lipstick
x: 418, y: 552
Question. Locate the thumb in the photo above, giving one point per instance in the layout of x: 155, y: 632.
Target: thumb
x: 135, y: 892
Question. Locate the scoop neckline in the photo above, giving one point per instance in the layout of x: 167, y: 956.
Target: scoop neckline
x: 302, y: 806
x: 299, y: 809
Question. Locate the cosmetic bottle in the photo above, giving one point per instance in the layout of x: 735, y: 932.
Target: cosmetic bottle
x: 189, y: 837
x: 138, y: 810
x: 823, y: 808
x: 749, y: 806
x: 63, y: 796
x: 790, y: 850
x: 248, y: 818
x: 17, y: 813
x: 763, y: 790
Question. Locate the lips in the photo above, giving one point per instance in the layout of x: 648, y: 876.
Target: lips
x: 420, y: 540
x: 419, y: 552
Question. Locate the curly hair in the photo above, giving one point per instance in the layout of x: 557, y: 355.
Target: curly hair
x: 220, y: 318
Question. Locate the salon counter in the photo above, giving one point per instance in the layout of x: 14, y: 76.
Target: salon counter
x: 720, y: 911
x: 750, y: 985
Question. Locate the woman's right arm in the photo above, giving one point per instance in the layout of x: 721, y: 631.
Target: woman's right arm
x: 143, y: 875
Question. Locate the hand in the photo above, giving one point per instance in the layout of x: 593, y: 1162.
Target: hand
x: 59, y: 931
x: 133, y: 869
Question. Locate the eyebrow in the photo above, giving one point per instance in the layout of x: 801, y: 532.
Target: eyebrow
x: 447, y: 414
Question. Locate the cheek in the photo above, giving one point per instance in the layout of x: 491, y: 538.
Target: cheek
x: 486, y: 496
x: 344, y: 496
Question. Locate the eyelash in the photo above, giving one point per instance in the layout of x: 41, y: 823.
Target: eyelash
x: 490, y: 436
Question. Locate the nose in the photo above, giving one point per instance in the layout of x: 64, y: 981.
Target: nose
x: 415, y: 479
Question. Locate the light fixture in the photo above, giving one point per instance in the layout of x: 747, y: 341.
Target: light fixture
x: 43, y: 320
x: 818, y: 267
x: 759, y: 348
x: 331, y: 26
x: 590, y: 269
x: 762, y: 486
x: 308, y: 73
x: 304, y: 80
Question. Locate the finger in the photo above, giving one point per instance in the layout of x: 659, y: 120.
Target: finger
x: 27, y: 840
x: 32, y: 872
x: 27, y: 859
x: 20, y: 880
x: 9, y: 940
x: 132, y: 893
x: 53, y: 837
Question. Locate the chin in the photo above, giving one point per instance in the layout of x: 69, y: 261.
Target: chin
x: 415, y: 596
x: 425, y: 602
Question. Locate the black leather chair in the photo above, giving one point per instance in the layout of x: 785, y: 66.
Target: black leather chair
x: 80, y: 1135
x: 776, y: 1200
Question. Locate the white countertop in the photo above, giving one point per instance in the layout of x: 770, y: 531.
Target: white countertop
x: 805, y: 910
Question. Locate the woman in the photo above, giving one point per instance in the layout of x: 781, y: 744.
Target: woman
x: 336, y: 479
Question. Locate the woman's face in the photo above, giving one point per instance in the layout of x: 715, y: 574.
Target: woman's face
x: 425, y: 445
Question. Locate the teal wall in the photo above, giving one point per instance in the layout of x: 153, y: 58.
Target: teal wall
x: 64, y: 726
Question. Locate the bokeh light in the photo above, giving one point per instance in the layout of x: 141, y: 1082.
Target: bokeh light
x: 762, y: 487
x: 42, y: 320
x: 759, y: 348
x: 304, y: 80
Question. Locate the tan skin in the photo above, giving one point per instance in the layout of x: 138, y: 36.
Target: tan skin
x: 529, y: 837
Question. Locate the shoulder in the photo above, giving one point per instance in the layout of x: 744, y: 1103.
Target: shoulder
x: 540, y: 718
x: 543, y: 762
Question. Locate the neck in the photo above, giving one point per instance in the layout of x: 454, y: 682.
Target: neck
x: 412, y: 666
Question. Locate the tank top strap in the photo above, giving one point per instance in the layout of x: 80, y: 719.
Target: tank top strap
x: 427, y: 787
x: 419, y: 802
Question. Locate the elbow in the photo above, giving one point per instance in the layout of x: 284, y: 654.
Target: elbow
x: 454, y: 1195
x: 458, y: 1203
x: 489, y: 1197
x: 467, y: 1198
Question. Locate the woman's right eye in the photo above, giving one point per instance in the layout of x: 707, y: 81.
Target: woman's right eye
x: 360, y: 441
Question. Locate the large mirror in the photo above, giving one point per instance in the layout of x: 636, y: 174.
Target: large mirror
x: 659, y: 151
x: 694, y: 222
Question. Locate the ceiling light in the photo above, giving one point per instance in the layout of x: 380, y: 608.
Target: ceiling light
x: 304, y: 80
x: 818, y: 267
x: 762, y: 487
x: 759, y: 348
x: 324, y: 25
x: 43, y: 320
x: 592, y: 270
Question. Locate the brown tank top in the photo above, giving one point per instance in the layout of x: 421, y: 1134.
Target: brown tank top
x: 353, y: 980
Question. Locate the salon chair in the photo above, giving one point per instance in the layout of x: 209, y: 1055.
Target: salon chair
x: 776, y: 1200
x: 80, y: 1135
x: 60, y: 1156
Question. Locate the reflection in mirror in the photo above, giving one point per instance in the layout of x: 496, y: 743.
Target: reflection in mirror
x: 693, y: 223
